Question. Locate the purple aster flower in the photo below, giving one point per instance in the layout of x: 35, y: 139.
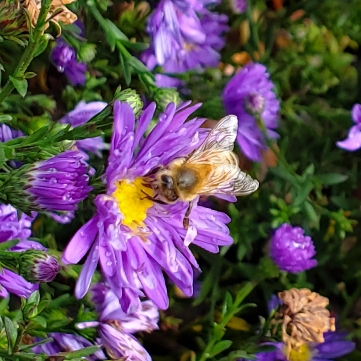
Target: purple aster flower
x: 64, y: 58
x: 353, y: 140
x: 14, y: 227
x: 335, y: 346
x: 184, y: 36
x: 115, y: 327
x: 66, y: 342
x: 250, y: 95
x: 134, y: 238
x: 82, y: 113
x: 238, y: 6
x: 291, y: 250
x: 60, y: 183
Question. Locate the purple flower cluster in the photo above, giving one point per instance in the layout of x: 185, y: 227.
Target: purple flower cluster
x: 335, y: 346
x: 134, y: 238
x: 15, y: 227
x: 64, y: 58
x: 291, y: 250
x: 116, y: 328
x: 184, y: 35
x: 353, y: 140
x: 250, y: 95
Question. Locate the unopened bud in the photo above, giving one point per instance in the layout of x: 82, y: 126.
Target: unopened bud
x: 131, y: 97
x: 38, y: 266
x: 164, y: 96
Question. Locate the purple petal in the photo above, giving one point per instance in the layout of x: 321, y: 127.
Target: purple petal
x: 81, y: 242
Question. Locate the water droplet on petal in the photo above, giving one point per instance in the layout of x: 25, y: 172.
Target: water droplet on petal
x: 109, y: 263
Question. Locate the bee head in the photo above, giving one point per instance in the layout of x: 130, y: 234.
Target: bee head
x: 164, y: 187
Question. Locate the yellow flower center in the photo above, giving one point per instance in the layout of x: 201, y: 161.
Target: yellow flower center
x: 302, y: 354
x: 133, y: 202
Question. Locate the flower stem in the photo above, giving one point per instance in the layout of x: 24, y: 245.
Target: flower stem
x: 253, y: 28
x: 218, y: 328
x: 28, y: 55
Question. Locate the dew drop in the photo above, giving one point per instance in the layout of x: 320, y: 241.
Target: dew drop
x: 82, y: 234
x: 53, y: 181
x: 53, y: 170
x: 109, y: 263
x: 100, y: 224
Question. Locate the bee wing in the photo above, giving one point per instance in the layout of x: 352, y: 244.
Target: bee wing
x: 228, y: 179
x: 221, y: 137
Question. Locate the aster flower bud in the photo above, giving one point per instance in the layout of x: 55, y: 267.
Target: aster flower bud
x: 57, y: 184
x: 164, y: 96
x: 131, y: 97
x: 38, y: 266
x: 304, y: 318
x: 291, y: 250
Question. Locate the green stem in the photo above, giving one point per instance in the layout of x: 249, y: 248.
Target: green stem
x: 253, y: 28
x: 241, y: 295
x: 274, y: 149
x: 28, y: 55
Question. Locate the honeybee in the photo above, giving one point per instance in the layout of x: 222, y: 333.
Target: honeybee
x: 211, y: 169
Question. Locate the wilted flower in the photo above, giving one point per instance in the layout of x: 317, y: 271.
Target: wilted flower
x: 115, y: 327
x: 65, y: 15
x: 291, y: 250
x: 334, y: 346
x: 134, y: 238
x: 14, y: 227
x: 59, y: 183
x: 304, y: 318
x: 12, y: 19
x: 64, y: 58
x: 184, y: 36
x: 353, y: 140
x: 64, y: 342
x: 38, y: 266
x: 80, y: 115
x: 250, y: 96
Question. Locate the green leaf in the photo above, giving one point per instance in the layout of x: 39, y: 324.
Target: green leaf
x: 302, y: 193
x: 42, y: 342
x: 9, y: 244
x: 5, y: 118
x: 2, y: 156
x: 34, y: 298
x: 312, y: 214
x: 11, y: 334
x: 30, y: 74
x: 80, y: 353
x: 43, y: 44
x: 227, y: 305
x: 330, y: 178
x: 21, y: 85
x: 135, y: 46
x: 220, y: 347
x: 41, y: 321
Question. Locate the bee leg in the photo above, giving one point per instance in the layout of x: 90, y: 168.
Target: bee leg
x: 147, y: 196
x: 186, y: 216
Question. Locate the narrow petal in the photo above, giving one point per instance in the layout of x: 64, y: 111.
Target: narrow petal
x: 81, y: 242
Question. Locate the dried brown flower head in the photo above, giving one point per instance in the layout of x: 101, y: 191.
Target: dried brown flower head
x: 304, y: 318
x: 58, y: 12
